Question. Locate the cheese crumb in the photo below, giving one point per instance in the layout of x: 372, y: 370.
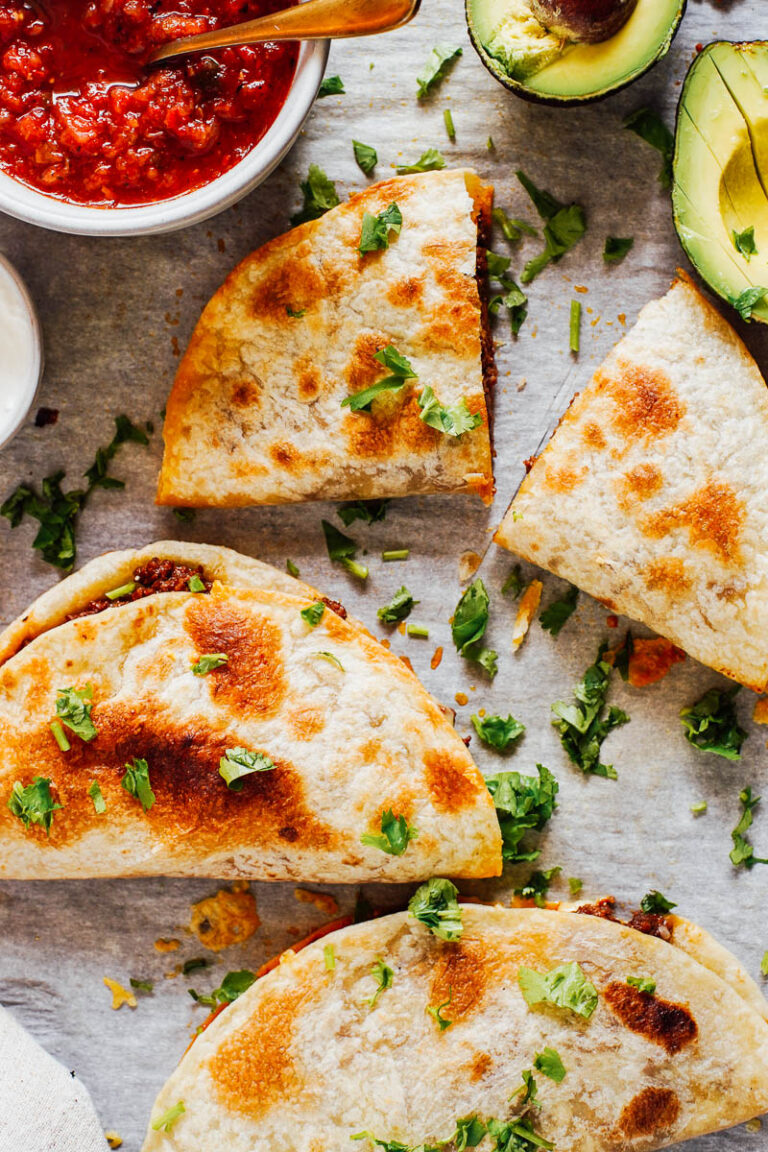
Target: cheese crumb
x: 120, y: 995
x: 322, y: 900
x: 113, y: 1139
x: 229, y: 917
x: 469, y: 562
x: 167, y: 945
x: 529, y: 606
x: 760, y: 713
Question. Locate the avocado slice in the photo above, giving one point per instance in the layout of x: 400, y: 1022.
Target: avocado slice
x: 720, y: 187
x: 538, y: 65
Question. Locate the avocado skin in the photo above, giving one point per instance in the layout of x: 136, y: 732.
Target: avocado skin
x: 534, y: 97
x: 679, y: 218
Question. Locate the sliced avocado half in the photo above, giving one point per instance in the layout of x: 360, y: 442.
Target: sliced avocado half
x: 539, y: 66
x: 720, y: 189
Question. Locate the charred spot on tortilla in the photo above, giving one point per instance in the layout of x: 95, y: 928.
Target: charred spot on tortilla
x: 670, y: 1025
x: 148, y: 579
x: 652, y: 1110
x: 646, y: 404
x: 460, y: 974
x: 713, y: 515
x: 451, y: 783
x: 649, y: 923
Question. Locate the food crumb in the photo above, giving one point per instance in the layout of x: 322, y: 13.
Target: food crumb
x: 46, y: 416
x: 113, y: 1139
x: 229, y: 917
x: 754, y: 1125
x: 522, y: 385
x: 323, y: 901
x: 622, y: 319
x: 612, y: 621
x: 436, y: 658
x: 286, y: 956
x: 385, y: 642
x: 529, y: 606
x: 120, y: 995
x: 401, y: 627
x: 407, y: 663
x: 221, y: 245
x: 167, y: 945
x: 469, y: 562
x: 580, y: 288
x: 461, y: 698
x: 760, y: 713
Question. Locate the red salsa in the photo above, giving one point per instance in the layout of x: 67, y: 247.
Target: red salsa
x: 82, y: 119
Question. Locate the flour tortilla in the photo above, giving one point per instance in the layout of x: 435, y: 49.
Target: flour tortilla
x: 255, y: 413
x: 651, y: 493
x: 301, y: 1062
x: 350, y: 729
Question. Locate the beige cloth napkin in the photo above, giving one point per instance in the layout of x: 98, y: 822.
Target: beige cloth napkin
x: 43, y: 1107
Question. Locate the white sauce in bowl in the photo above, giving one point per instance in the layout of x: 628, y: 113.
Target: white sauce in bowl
x: 20, y: 352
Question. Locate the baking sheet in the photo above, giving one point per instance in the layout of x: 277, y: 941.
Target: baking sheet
x: 115, y: 314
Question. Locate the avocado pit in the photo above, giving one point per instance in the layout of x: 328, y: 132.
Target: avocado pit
x: 583, y: 21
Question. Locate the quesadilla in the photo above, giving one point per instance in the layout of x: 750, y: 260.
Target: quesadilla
x: 651, y: 493
x: 209, y: 716
x: 525, y: 1028
x: 268, y: 406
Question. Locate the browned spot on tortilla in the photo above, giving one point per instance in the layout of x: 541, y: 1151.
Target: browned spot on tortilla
x: 413, y: 431
x: 661, y: 1021
x: 593, y: 436
x: 362, y: 370
x: 252, y: 682
x: 461, y: 973
x: 308, y: 378
x: 639, y: 483
x: 245, y: 394
x: 646, y: 405
x: 452, y: 783
x: 286, y: 455
x: 667, y: 574
x: 713, y: 515
x: 370, y: 751
x: 650, y: 1111
x: 564, y: 479
x: 229, y: 917
x: 481, y: 1063
x: 292, y: 281
x: 404, y: 293
x: 306, y: 723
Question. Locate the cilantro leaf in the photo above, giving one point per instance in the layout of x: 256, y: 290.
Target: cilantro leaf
x: 436, y: 1012
x: 331, y: 86
x: 99, y: 803
x: 369, y: 511
x: 166, y: 1122
x: 375, y: 231
x: 136, y: 782
x: 73, y: 709
x: 656, y: 903
x: 537, y: 886
x: 208, y: 662
x: 452, y: 421
x: 563, y: 987
x: 468, y: 627
x: 744, y: 304
x: 343, y: 549
x: 142, y: 985
x: 742, y: 852
x: 314, y: 614
x: 642, y: 983
x: 616, y: 248
x: 469, y: 1132
x: 764, y: 965
x: 497, y: 265
x: 34, y: 804
x: 544, y: 202
x: 383, y: 975
x: 556, y: 614
x: 514, y: 300
x: 497, y: 732
x: 650, y: 127
x: 514, y: 584
x: 320, y: 196
x: 401, y: 369
x: 396, y: 834
x: 435, y: 905
x: 516, y: 1136
x: 711, y: 725
x: 367, y: 157
x: 232, y: 986
x: 398, y: 364
x: 549, y: 1064
x: 744, y: 242
x: 432, y: 160
x: 239, y: 762
x: 523, y: 804
x: 438, y: 63
x: 584, y: 724
x: 561, y: 233
x: 511, y: 228
x: 400, y: 606
x: 295, y: 314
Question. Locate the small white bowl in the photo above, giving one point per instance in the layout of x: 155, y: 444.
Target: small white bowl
x: 22, y: 364
x: 25, y: 203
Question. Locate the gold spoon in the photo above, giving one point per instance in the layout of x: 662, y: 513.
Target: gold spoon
x: 314, y: 20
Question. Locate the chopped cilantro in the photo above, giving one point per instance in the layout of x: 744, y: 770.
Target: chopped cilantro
x: 395, y: 554
x: 450, y: 127
x: 744, y: 304
x: 436, y: 906
x: 497, y: 732
x: 711, y: 726
x: 417, y: 631
x: 430, y: 161
x: 187, y: 515
x: 239, y: 762
x: 369, y: 511
x: 742, y: 852
x: 744, y: 242
x: 208, y: 662
x: 331, y: 86
x: 497, y: 265
x: 314, y: 614
x: 563, y: 987
x: 436, y: 1012
x: 642, y: 983
x: 549, y: 1063
x: 232, y: 986
x: 514, y: 583
x: 329, y: 958
x: 166, y: 1122
x: 537, y: 886
x: 99, y: 803
x: 291, y: 569
x: 383, y: 975
x: 59, y: 736
x: 343, y: 549
x: 528, y: 1091
x: 516, y: 1136
x: 468, y: 627
x: 195, y: 963
x: 367, y: 158
x: 142, y: 985
x: 295, y: 314
x: 374, y: 234
x: 73, y: 709
x: 320, y: 196
x: 523, y: 804
x: 34, y: 804
x: 584, y: 725
x: 575, y: 884
x: 564, y: 226
x: 330, y: 659
x: 400, y: 606
x: 469, y: 1132
x: 559, y: 612
x: 136, y: 782
x: 195, y: 584
x: 511, y: 228
x: 514, y: 300
x: 764, y: 965
x: 616, y: 248
x: 650, y: 127
x: 574, y: 338
x: 395, y: 836
x: 656, y: 902
x: 123, y: 590
x: 401, y: 370
x: 452, y: 421
x: 438, y: 63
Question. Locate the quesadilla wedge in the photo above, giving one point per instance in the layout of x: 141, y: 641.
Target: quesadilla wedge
x: 527, y: 1028
x: 651, y: 493
x: 260, y: 411
x: 238, y: 730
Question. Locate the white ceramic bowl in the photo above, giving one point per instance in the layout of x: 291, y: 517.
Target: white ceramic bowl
x: 22, y: 366
x: 35, y: 207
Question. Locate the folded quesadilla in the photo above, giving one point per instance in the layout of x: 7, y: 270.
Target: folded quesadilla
x: 518, y: 1029
x: 322, y: 372
x: 651, y: 493
x: 184, y: 710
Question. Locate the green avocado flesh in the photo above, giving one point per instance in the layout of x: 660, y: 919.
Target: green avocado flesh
x: 522, y: 50
x: 721, y: 168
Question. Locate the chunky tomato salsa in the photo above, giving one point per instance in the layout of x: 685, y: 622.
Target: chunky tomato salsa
x: 82, y: 119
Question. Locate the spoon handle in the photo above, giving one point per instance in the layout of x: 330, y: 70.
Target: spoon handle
x: 313, y: 20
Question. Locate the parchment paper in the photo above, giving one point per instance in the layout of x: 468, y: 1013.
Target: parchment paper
x: 116, y: 312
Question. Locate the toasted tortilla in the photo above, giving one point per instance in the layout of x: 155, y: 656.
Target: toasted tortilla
x: 651, y: 493
x: 350, y: 731
x: 255, y: 413
x: 302, y: 1060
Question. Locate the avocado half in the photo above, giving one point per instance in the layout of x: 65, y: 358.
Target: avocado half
x: 548, y: 71
x: 720, y: 187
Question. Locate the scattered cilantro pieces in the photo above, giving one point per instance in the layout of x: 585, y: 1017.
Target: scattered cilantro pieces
x: 537, y: 886
x: 320, y: 196
x: 314, y: 614
x: 563, y: 987
x: 651, y: 128
x: 497, y: 732
x: 523, y: 804
x: 656, y: 903
x: 232, y: 986
x: 59, y: 736
x: 512, y: 229
x: 440, y: 59
x: 396, y: 834
x: 123, y: 590
x: 166, y: 1122
x: 136, y: 782
x: 711, y: 726
x: 642, y: 983
x: 514, y: 300
x: 291, y: 569
x: 295, y: 314
x: 584, y: 724
x: 764, y: 965
x: 549, y: 1063
x: 564, y: 226
x: 99, y: 803
x: 342, y: 549
x: 450, y: 127
x: 744, y: 304
x: 367, y: 157
x: 616, y: 248
x: 497, y: 265
x: 436, y: 906
x: 401, y: 370
x: 369, y: 511
x: 331, y: 86
x: 559, y: 612
x: 400, y: 606
x: 742, y: 852
x: 452, y: 421
x: 430, y: 161
x: 73, y: 710
x: 195, y: 963
x: 208, y: 662
x: 436, y: 1012
x: 329, y: 958
x: 239, y: 762
x: 383, y: 975
x: 142, y: 985
x: 417, y: 632
x: 470, y: 621
x: 514, y: 583
x: 330, y: 659
x: 516, y: 1136
x: 528, y: 1091
x: 699, y: 808
x: 395, y: 554
x: 575, y: 884
x: 195, y: 584
x: 374, y: 234
x: 469, y: 1132
x: 574, y: 337
x: 34, y: 804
